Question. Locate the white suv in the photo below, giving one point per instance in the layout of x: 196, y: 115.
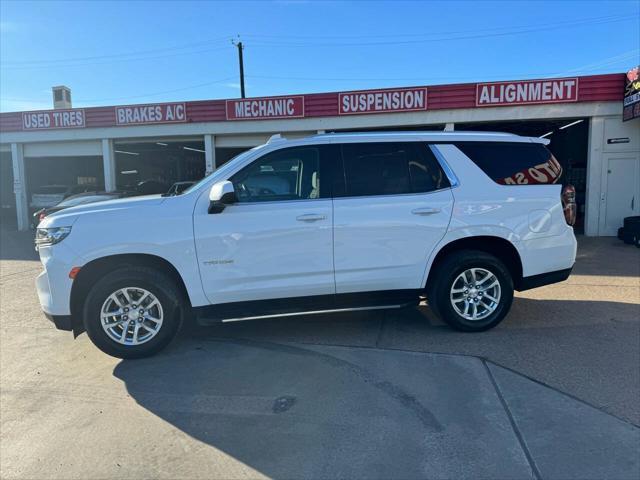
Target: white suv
x: 328, y: 223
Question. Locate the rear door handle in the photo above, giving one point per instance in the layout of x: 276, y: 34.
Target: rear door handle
x: 425, y: 211
x: 310, y: 217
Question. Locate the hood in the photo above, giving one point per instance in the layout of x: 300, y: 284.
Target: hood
x: 68, y: 216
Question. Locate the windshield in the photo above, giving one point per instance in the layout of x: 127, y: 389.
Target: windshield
x: 222, y: 169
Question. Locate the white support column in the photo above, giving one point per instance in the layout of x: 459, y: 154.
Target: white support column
x: 449, y: 127
x: 209, y: 154
x: 108, y: 165
x: 20, y: 186
x: 594, y: 194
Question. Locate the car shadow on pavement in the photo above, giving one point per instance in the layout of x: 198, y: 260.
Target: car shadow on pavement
x: 271, y: 396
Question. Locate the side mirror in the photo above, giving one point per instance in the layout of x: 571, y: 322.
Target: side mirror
x: 221, y: 195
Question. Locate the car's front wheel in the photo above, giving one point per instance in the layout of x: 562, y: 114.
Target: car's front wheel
x: 133, y: 312
x: 472, y: 291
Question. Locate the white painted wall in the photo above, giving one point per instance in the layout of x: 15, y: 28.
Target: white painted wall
x: 603, y: 128
x: 63, y: 149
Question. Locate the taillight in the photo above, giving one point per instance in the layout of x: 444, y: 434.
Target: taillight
x: 569, y: 204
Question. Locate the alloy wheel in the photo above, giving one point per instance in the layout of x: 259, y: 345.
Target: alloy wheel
x: 475, y: 294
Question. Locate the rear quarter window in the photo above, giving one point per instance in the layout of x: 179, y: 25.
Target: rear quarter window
x: 514, y: 163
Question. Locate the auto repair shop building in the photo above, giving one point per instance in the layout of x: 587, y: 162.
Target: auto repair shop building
x: 115, y: 147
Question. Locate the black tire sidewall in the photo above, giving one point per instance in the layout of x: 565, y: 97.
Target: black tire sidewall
x: 152, y: 281
x: 454, y: 266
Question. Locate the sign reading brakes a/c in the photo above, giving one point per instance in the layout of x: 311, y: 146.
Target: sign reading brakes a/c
x: 153, y: 113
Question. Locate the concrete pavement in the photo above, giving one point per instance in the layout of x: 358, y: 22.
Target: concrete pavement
x: 281, y: 399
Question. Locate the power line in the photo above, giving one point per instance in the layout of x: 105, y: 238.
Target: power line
x: 441, y: 39
x: 428, y: 34
x: 116, y: 55
x: 190, y: 87
x: 83, y: 64
x: 443, y: 36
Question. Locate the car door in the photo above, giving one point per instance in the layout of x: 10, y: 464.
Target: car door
x: 392, y: 209
x: 276, y: 240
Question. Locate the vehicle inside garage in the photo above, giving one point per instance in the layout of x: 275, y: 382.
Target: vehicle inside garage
x: 51, y: 179
x: 152, y: 166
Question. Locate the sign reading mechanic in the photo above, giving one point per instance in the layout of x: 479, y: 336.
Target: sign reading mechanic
x: 527, y: 92
x: 50, y: 119
x: 265, y: 108
x: 152, y: 113
x: 382, y: 101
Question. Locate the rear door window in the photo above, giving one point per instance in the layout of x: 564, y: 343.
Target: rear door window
x: 514, y: 163
x: 390, y: 168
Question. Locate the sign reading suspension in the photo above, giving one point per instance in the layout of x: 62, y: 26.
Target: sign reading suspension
x: 153, y: 113
x: 49, y: 119
x: 265, y: 108
x: 382, y: 101
x: 527, y: 92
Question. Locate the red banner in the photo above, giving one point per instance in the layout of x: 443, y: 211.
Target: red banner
x: 50, y: 119
x: 527, y: 92
x: 265, y: 108
x: 382, y: 101
x: 152, y: 113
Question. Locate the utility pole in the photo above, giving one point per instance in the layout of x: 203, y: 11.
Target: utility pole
x: 241, y: 63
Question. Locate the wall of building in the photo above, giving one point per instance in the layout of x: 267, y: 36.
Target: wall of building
x: 229, y: 137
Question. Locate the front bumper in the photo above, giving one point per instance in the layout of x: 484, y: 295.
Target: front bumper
x: 53, y: 284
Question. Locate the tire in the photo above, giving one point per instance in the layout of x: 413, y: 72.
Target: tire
x: 628, y: 237
x: 447, y: 275
x: 632, y: 222
x: 153, y: 335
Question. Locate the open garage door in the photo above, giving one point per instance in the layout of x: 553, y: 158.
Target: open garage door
x: 569, y: 144
x: 51, y: 179
x: 155, y: 165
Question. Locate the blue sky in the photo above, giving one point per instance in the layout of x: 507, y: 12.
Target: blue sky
x: 141, y: 52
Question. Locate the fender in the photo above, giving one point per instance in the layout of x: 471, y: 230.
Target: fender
x: 468, y: 232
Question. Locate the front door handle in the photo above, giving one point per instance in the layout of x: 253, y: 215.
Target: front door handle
x: 425, y: 211
x: 310, y: 217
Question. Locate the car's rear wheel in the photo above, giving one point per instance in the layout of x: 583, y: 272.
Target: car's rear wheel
x: 133, y: 312
x: 471, y: 291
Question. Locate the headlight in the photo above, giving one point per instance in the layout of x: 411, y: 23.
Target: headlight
x: 51, y: 236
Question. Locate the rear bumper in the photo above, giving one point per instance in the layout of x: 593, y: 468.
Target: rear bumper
x: 542, y: 279
x: 62, y: 322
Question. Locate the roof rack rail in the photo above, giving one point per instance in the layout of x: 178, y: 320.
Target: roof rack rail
x: 275, y: 138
